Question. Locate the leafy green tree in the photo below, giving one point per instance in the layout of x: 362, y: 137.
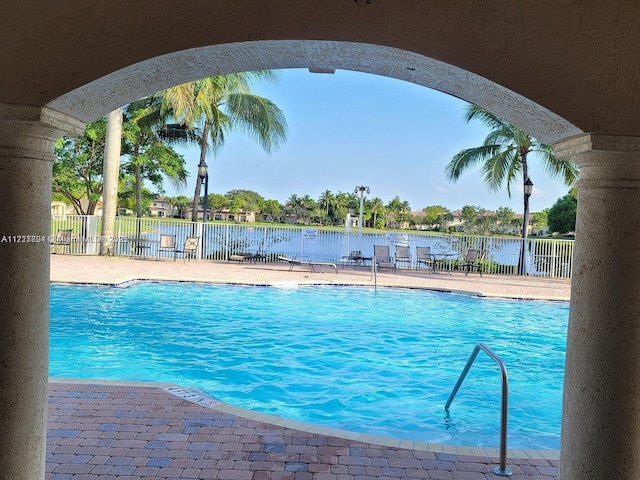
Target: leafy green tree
x: 213, y: 107
x: 504, y: 156
x: 469, y: 215
x: 235, y: 206
x: 272, y: 210
x: 149, y: 157
x: 540, y: 219
x: 217, y: 201
x: 249, y: 200
x: 128, y: 197
x: 182, y: 203
x: 77, y: 171
x: 485, y: 220
x: 504, y: 215
x: 398, y: 211
x: 434, y: 215
x: 562, y: 215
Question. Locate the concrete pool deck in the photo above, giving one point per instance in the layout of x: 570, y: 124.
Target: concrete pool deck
x: 103, y: 430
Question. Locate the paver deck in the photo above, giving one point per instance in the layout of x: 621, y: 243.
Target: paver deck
x: 122, y: 431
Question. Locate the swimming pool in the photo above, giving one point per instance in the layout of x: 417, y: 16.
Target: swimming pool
x: 379, y: 362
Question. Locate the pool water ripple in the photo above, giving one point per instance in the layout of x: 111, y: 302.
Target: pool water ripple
x: 377, y: 362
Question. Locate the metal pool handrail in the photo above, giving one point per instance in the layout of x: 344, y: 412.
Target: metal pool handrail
x: 502, y: 469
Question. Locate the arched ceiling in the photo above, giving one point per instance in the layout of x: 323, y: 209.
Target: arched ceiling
x: 553, y: 67
x: 105, y: 94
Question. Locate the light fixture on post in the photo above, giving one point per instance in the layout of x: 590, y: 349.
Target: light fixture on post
x: 360, y: 189
x: 203, y: 173
x: 528, y: 189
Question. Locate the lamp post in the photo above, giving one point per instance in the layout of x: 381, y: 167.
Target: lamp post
x: 361, y: 189
x: 528, y: 188
x: 204, y: 176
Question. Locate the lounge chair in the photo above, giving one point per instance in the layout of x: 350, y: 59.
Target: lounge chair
x: 190, y: 249
x: 403, y: 255
x: 167, y: 244
x: 294, y: 261
x: 63, y: 239
x: 424, y: 257
x: 472, y: 261
x: 383, y: 257
x: 240, y: 257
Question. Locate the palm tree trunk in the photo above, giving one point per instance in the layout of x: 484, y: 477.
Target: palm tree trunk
x: 110, y: 179
x: 138, y: 174
x: 525, y: 216
x: 203, y: 155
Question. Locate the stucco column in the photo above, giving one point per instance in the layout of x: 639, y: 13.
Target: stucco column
x: 601, y: 403
x: 27, y: 137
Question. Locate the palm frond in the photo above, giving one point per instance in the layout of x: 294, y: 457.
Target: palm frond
x: 467, y: 158
x: 497, y: 168
x: 559, y: 167
x: 259, y: 118
x: 491, y: 121
x: 504, y: 154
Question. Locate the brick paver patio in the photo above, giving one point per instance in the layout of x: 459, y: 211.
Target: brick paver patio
x: 109, y: 431
x: 130, y: 432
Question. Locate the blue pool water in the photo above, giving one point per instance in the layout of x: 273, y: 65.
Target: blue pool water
x: 379, y: 362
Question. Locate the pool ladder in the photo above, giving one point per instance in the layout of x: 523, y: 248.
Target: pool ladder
x: 502, y: 469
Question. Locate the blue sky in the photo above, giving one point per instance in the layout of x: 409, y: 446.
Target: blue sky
x: 351, y: 129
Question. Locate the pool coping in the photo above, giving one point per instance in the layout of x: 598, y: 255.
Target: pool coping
x: 130, y: 281
x: 204, y: 399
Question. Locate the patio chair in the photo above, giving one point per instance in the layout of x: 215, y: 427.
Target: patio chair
x: 168, y: 244
x: 424, y: 257
x: 403, y: 255
x: 472, y: 261
x: 383, y: 257
x: 190, y: 249
x: 63, y: 239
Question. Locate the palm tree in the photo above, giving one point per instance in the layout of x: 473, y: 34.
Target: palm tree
x: 325, y: 201
x: 341, y: 205
x: 212, y: 107
x: 377, y: 208
x: 293, y: 206
x: 149, y: 156
x: 399, y: 211
x: 504, y: 154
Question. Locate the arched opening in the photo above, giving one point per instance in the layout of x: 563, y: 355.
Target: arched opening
x: 111, y: 91
x: 569, y: 57
x: 434, y: 75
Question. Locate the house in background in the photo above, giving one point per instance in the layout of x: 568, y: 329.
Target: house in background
x: 248, y: 216
x: 61, y: 208
x: 454, y: 222
x: 161, y: 208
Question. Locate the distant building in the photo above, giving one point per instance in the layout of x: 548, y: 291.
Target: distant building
x: 248, y: 216
x: 161, y: 208
x: 59, y: 208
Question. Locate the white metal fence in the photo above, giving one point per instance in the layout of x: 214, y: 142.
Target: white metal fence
x: 544, y: 257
